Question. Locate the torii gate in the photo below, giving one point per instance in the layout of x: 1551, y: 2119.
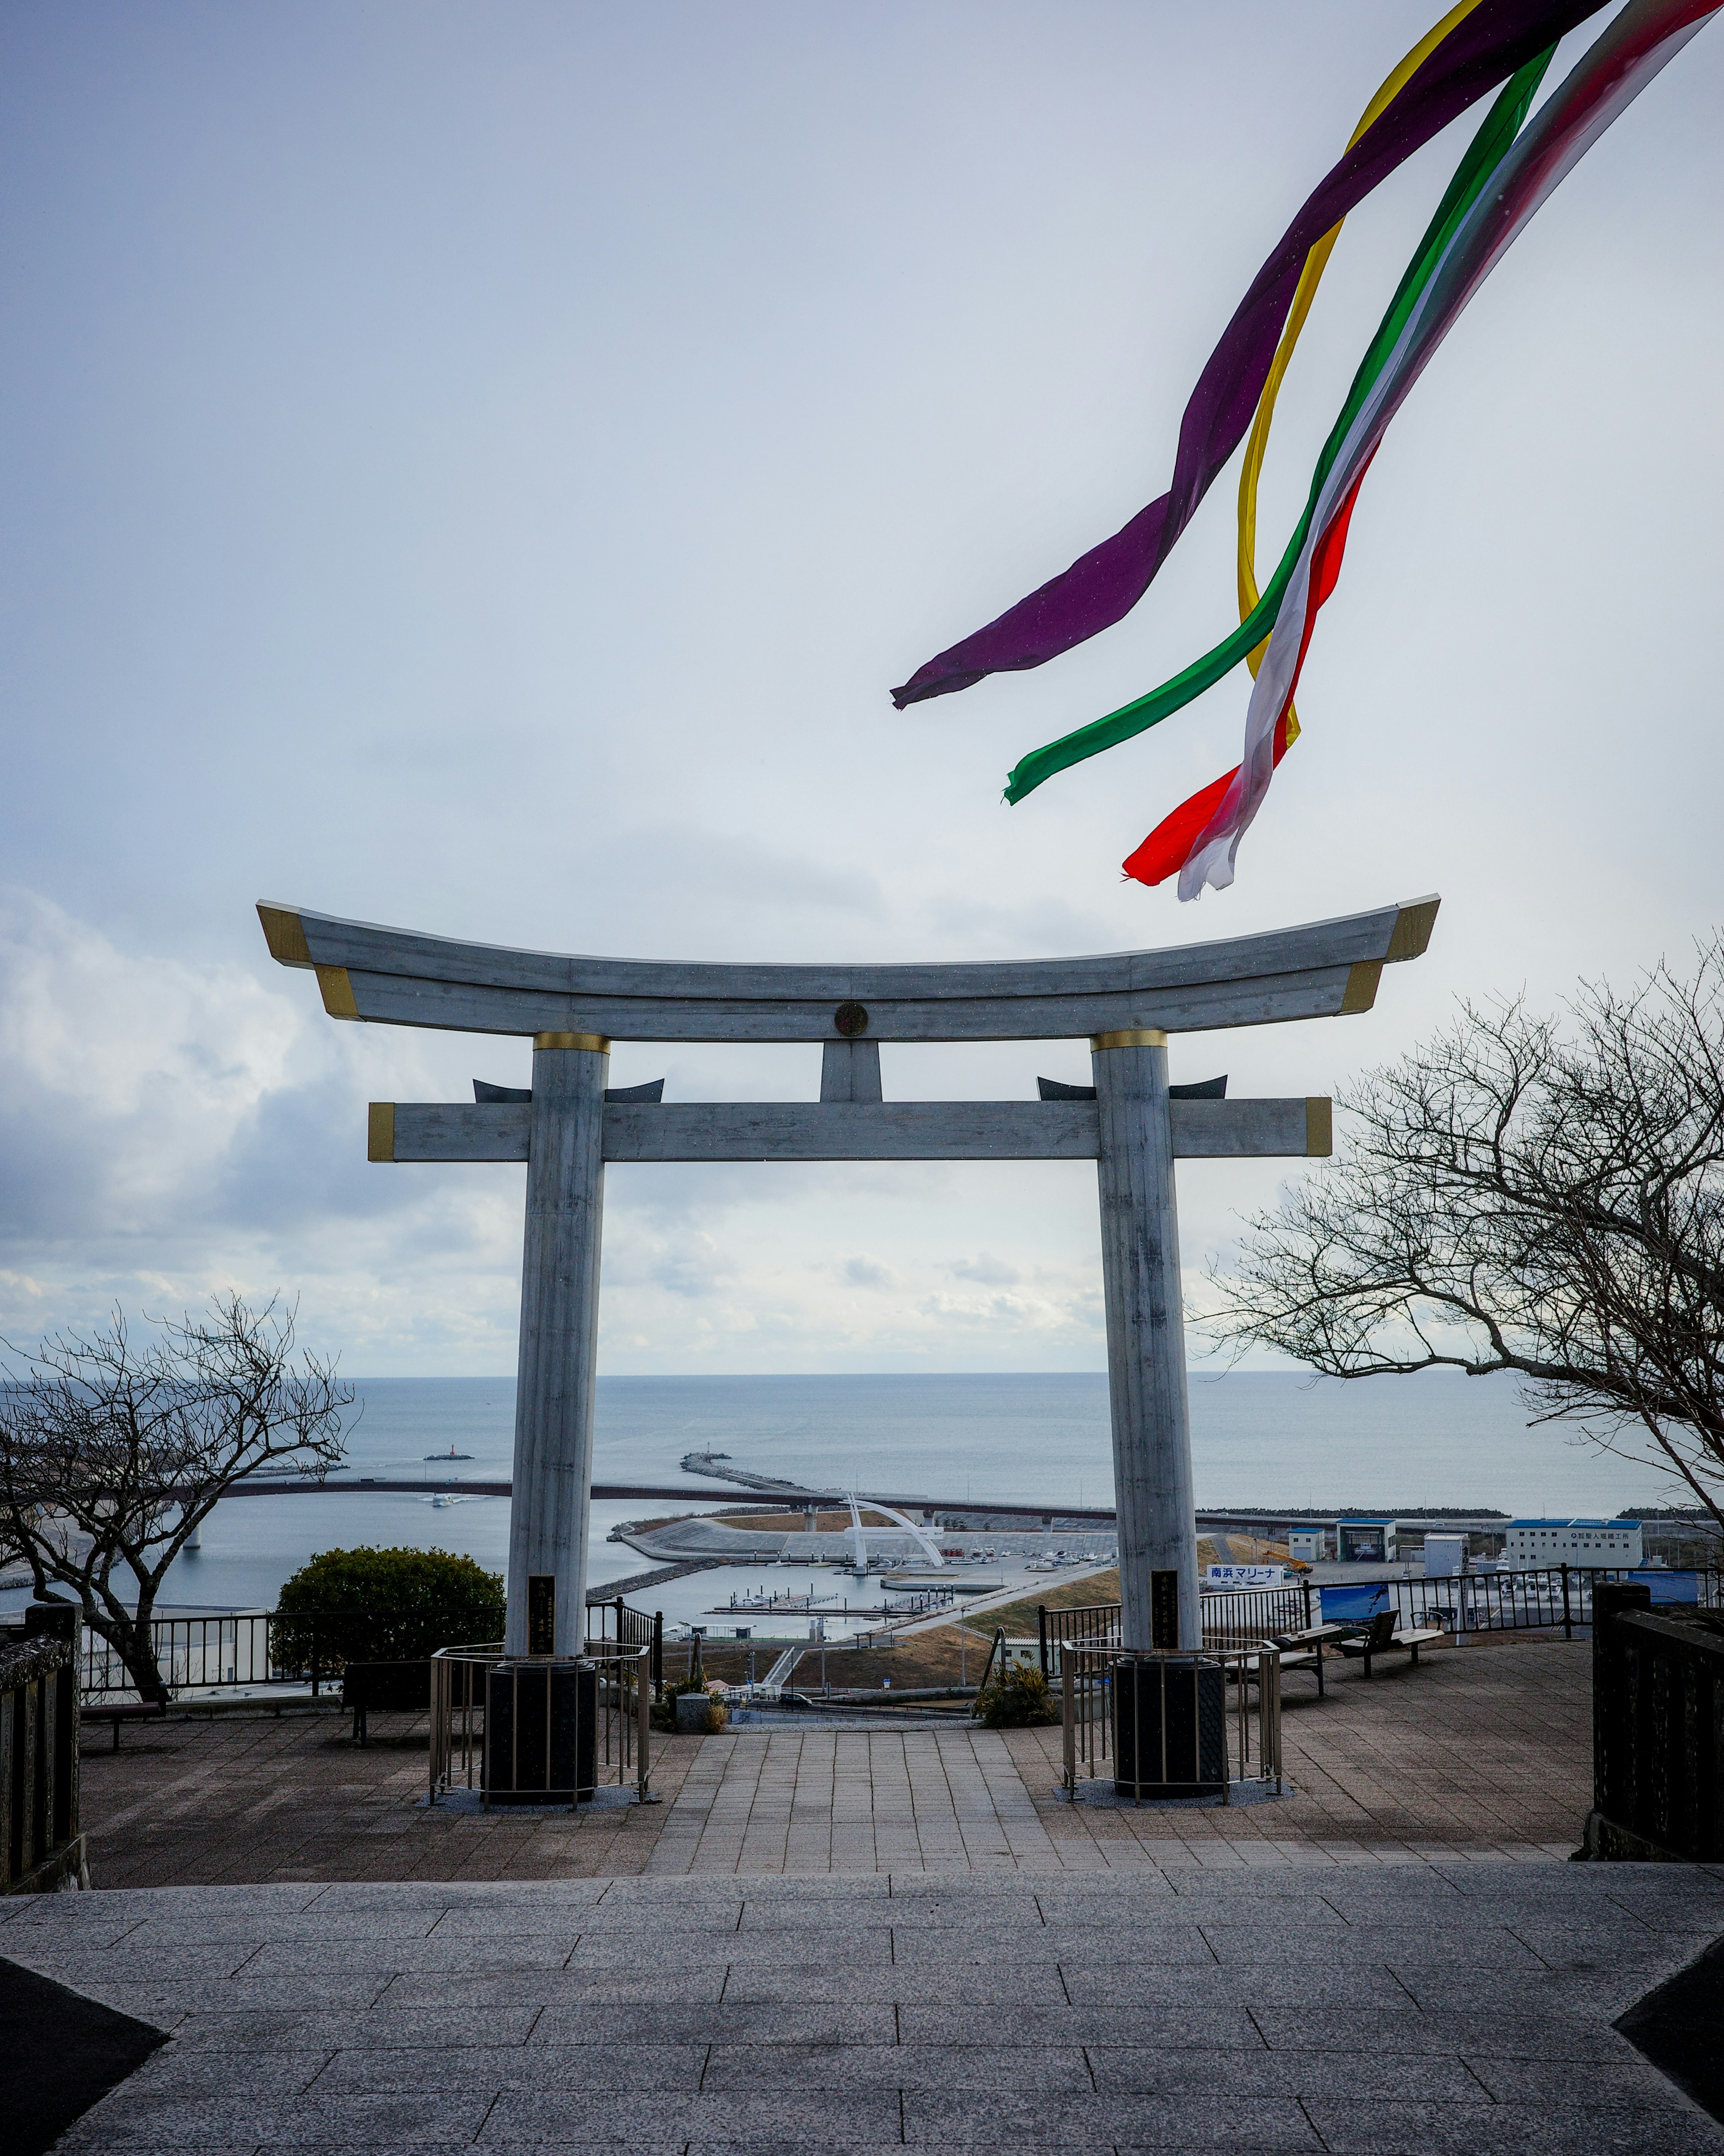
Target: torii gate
x: 569, y: 1124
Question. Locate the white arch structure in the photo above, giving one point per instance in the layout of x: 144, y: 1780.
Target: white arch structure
x: 860, y: 1532
x: 569, y: 1126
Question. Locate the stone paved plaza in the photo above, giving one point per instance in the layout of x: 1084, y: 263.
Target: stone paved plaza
x: 1412, y: 2010
x: 850, y: 1941
x: 1483, y: 1750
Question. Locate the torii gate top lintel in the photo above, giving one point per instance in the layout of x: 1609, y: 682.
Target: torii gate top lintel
x: 396, y: 977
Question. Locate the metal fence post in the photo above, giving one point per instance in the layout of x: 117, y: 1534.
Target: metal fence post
x: 314, y: 1658
x: 1041, y: 1637
x: 1305, y: 1588
x: 1068, y: 1717
x: 643, y: 1708
x: 1567, y: 1620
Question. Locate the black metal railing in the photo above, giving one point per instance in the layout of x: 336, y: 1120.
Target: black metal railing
x: 1557, y: 1598
x: 1093, y: 1624
x: 41, y: 1846
x: 1242, y: 1617
x: 271, y: 1648
x: 1235, y: 1619
x: 996, y: 1654
x: 1658, y: 1706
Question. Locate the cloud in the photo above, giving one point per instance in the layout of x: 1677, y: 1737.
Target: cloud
x: 691, y: 864
x: 122, y: 1075
x: 168, y: 1129
x: 990, y: 1271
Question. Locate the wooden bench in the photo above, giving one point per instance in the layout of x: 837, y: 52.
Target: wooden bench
x: 1380, y: 1637
x: 390, y: 1687
x: 1303, y: 1651
x: 136, y: 1710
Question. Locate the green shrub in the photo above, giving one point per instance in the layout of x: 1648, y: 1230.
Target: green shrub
x: 1018, y: 1698
x: 393, y: 1605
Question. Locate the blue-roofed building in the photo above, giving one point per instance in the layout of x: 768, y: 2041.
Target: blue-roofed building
x: 1365, y: 1542
x: 1607, y: 1544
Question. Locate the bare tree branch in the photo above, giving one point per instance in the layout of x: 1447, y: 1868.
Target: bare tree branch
x: 1526, y: 1194
x: 114, y: 1450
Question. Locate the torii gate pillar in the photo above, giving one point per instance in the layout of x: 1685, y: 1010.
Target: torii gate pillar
x: 1146, y: 1342
x: 559, y: 1346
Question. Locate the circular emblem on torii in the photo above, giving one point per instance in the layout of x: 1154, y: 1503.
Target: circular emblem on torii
x: 850, y: 1019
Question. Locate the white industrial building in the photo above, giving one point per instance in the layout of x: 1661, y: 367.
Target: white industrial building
x: 1603, y: 1543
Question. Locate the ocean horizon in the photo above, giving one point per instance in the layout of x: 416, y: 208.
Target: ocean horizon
x: 1263, y: 1439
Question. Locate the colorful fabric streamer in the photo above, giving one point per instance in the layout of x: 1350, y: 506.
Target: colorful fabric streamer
x: 1484, y: 45
x: 1483, y: 154
x: 1201, y: 839
x: 1310, y: 277
x: 1166, y: 846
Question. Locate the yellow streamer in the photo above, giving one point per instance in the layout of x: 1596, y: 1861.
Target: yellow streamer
x: 1310, y: 277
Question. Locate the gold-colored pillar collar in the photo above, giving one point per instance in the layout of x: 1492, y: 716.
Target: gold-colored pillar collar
x: 1142, y: 1036
x: 595, y: 1044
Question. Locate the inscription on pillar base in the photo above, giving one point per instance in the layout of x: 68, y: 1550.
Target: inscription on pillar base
x: 541, y: 1613
x: 1164, y: 1608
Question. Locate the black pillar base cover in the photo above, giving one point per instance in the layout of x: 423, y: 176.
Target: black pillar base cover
x: 541, y: 1732
x: 1180, y: 1698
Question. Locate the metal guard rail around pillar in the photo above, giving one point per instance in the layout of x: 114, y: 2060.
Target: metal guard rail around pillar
x: 625, y: 1705
x: 41, y: 1844
x: 1084, y: 1693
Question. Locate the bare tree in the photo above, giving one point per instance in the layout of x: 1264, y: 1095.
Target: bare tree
x: 113, y: 1450
x: 1529, y: 1194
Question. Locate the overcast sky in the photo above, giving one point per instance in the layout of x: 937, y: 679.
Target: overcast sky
x: 482, y: 468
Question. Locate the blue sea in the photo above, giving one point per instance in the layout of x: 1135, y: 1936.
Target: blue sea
x: 1396, y: 1444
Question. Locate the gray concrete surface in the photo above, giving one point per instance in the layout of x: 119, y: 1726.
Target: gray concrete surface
x: 1422, y: 2008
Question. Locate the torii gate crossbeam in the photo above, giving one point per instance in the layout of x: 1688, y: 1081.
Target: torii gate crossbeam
x: 570, y: 1124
